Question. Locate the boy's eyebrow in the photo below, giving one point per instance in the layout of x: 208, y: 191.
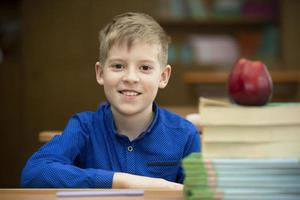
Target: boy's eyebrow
x: 114, y: 59
x: 147, y: 61
x: 140, y: 61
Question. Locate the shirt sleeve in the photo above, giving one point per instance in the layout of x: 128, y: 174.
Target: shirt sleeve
x: 54, y: 164
x: 193, y: 145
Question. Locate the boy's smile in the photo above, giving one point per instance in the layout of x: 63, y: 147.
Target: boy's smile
x: 131, y: 77
x: 129, y: 92
x: 129, y: 95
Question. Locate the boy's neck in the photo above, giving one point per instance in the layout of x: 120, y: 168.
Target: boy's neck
x: 132, y: 126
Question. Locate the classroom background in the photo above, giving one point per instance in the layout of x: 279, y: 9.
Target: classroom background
x: 48, y: 49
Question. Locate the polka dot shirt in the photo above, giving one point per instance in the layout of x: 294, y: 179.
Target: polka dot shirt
x: 90, y: 151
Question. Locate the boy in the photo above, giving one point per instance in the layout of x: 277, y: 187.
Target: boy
x: 129, y: 142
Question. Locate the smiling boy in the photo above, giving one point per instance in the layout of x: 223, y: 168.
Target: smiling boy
x: 129, y: 142
x: 131, y: 78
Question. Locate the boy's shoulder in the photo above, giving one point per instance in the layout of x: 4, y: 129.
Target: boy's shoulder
x: 90, y: 116
x: 85, y: 116
x: 173, y: 120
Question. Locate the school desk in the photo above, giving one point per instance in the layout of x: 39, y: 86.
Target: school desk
x: 51, y: 194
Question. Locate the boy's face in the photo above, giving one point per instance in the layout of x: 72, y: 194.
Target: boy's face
x: 131, y: 77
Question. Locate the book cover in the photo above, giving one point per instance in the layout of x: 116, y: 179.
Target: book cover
x: 224, y: 113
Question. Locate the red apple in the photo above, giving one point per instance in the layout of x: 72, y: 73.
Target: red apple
x: 249, y: 83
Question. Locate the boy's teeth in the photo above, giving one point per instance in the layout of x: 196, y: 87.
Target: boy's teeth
x: 130, y: 93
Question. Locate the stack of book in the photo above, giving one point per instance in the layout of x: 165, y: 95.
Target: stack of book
x: 241, y: 179
x: 234, y: 131
x: 247, y: 153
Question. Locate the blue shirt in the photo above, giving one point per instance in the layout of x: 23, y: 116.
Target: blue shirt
x: 90, y: 150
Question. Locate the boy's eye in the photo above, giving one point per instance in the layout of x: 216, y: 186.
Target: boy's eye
x: 117, y: 66
x: 145, y: 68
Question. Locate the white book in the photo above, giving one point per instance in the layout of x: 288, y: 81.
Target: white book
x: 224, y: 113
x: 272, y: 133
x: 251, y: 150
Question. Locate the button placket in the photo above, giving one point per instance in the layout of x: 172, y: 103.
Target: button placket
x: 130, y: 148
x: 130, y: 158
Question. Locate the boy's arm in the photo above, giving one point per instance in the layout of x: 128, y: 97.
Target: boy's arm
x: 53, y: 164
x: 50, y: 174
x: 124, y: 180
x: 41, y: 174
x: 45, y: 173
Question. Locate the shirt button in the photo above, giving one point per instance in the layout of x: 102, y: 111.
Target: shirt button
x: 130, y: 148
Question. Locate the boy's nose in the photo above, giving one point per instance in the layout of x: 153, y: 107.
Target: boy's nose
x: 131, y: 76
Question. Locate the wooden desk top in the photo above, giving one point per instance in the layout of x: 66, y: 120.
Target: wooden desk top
x: 50, y: 194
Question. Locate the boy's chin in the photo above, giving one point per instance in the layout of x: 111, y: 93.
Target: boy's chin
x: 127, y: 110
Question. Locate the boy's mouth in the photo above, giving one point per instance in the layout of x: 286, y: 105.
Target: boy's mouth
x: 129, y: 92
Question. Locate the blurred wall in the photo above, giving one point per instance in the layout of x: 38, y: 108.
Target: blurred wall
x: 55, y: 77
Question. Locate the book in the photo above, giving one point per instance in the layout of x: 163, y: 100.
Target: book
x: 218, y: 113
x: 240, y: 178
x: 198, y: 9
x: 251, y: 150
x: 234, y: 131
x: 274, y: 133
x: 209, y: 49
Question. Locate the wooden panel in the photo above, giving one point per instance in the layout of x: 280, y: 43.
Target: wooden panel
x: 290, y: 32
x: 213, y: 83
x: 10, y: 87
x: 278, y: 76
x: 10, y: 120
x: 56, y: 43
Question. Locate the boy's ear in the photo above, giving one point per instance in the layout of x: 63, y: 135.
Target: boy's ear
x: 165, y: 76
x: 99, y: 73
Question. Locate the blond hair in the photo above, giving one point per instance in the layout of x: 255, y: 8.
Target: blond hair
x: 130, y: 27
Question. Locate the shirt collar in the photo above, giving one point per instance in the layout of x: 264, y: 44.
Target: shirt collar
x: 155, y: 117
x: 109, y: 120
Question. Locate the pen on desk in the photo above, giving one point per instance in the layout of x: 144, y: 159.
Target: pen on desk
x: 125, y: 192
